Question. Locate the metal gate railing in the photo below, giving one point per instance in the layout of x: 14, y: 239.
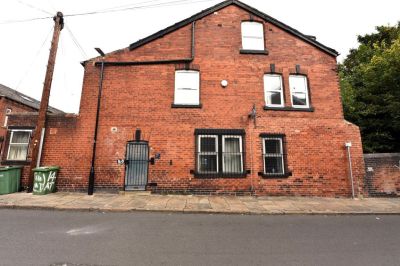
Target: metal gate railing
x: 137, y: 165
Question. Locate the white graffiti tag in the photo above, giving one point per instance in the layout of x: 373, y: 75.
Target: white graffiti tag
x: 40, y: 184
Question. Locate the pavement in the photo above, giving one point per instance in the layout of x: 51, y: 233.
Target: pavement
x: 142, y: 201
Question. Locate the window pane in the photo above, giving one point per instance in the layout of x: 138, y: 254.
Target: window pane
x: 298, y: 83
x: 20, y: 137
x: 187, y: 79
x: 273, y: 165
x: 208, y: 144
x: 299, y: 99
x: 232, y: 145
x: 232, y: 163
x: 272, y: 146
x: 252, y: 36
x: 252, y: 43
x: 272, y: 82
x: 17, y: 152
x: 207, y: 163
x: 272, y: 98
x: 187, y: 84
x: 252, y: 29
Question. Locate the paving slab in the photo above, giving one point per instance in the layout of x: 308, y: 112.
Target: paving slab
x: 201, y: 204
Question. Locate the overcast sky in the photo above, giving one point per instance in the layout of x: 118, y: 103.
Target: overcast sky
x: 24, y: 47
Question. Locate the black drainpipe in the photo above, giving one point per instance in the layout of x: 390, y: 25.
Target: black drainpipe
x: 129, y: 63
x: 92, y: 174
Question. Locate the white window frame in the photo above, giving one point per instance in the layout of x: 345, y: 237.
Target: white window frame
x: 13, y: 144
x: 245, y: 35
x: 271, y: 155
x: 292, y: 92
x: 199, y: 152
x: 8, y: 111
x: 195, y: 87
x: 238, y: 153
x: 269, y: 90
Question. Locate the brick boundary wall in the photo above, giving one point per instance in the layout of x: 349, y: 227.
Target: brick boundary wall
x: 382, y: 174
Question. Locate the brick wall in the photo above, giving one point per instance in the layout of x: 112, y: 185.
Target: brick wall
x: 141, y: 97
x: 382, y: 177
x: 15, y: 107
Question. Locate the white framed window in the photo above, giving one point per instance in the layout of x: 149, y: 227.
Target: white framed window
x: 232, y: 155
x: 299, y: 91
x: 8, y: 111
x: 187, y: 87
x: 273, y: 156
x: 18, y: 146
x: 252, y: 36
x: 207, y: 161
x: 273, y: 90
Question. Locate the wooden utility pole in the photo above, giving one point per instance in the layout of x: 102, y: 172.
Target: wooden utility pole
x: 44, y: 103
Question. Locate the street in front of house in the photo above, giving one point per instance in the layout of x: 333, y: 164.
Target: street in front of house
x: 140, y: 238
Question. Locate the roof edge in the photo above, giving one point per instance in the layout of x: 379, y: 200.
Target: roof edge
x: 244, y: 6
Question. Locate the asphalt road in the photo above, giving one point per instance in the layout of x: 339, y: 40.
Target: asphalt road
x: 32, y: 237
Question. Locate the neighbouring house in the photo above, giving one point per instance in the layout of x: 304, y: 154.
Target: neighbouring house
x: 11, y: 102
x: 227, y: 101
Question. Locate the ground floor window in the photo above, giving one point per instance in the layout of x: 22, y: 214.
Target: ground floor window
x: 273, y: 154
x: 18, y: 146
x: 219, y: 152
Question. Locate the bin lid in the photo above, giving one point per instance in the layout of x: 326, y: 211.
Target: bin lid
x: 6, y: 168
x: 46, y: 168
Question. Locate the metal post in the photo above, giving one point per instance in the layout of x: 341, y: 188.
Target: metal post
x: 44, y: 103
x: 92, y: 171
x: 348, y: 145
x: 40, y: 147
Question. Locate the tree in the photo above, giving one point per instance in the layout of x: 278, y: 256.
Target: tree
x: 370, y: 86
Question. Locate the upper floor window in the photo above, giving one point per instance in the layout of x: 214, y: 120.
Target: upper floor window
x: 252, y: 36
x: 187, y: 87
x: 273, y: 90
x: 18, y: 146
x: 299, y: 91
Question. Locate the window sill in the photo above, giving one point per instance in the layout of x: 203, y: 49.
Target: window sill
x: 245, y: 51
x: 186, y: 106
x: 7, y: 162
x: 273, y: 176
x: 295, y: 109
x: 219, y: 175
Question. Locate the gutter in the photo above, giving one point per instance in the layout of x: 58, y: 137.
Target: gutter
x: 156, y: 62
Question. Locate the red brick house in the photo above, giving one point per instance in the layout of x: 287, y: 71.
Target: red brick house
x: 228, y: 101
x: 12, y: 101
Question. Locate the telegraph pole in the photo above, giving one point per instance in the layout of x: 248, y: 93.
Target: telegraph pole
x: 38, y: 135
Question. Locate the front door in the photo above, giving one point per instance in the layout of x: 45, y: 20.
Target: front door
x: 137, y: 165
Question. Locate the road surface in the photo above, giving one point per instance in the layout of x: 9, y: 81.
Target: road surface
x: 33, y: 237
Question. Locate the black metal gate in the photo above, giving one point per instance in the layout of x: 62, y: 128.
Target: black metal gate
x: 137, y: 165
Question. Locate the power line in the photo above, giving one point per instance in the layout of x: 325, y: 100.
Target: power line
x: 34, y: 59
x: 34, y: 7
x: 170, y: 3
x: 22, y: 20
x: 76, y: 42
x: 114, y: 9
x: 128, y: 5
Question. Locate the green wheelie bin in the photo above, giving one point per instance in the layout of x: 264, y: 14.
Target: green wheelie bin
x: 9, y: 179
x: 44, y: 181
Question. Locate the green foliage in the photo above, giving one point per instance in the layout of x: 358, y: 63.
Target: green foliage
x: 370, y: 86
